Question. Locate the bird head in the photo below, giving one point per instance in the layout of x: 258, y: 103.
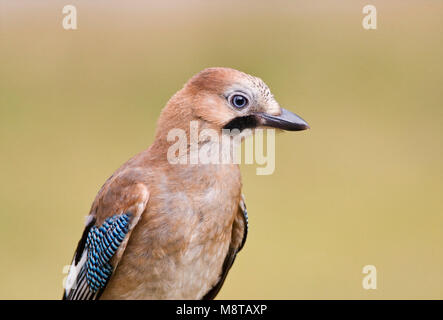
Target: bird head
x: 225, y: 98
x: 230, y: 99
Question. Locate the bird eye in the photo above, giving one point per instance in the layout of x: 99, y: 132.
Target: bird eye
x: 239, y: 101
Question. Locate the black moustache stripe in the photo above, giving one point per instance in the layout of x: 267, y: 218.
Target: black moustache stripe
x: 242, y: 123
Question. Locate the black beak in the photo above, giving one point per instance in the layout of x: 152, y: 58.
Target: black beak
x: 285, y: 121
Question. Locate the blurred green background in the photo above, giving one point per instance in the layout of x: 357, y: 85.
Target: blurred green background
x: 363, y: 186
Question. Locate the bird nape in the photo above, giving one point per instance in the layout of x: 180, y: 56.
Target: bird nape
x: 163, y: 229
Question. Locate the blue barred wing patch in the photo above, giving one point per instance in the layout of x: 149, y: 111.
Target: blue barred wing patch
x: 102, y: 243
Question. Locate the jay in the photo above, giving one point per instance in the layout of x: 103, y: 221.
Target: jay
x: 162, y: 230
